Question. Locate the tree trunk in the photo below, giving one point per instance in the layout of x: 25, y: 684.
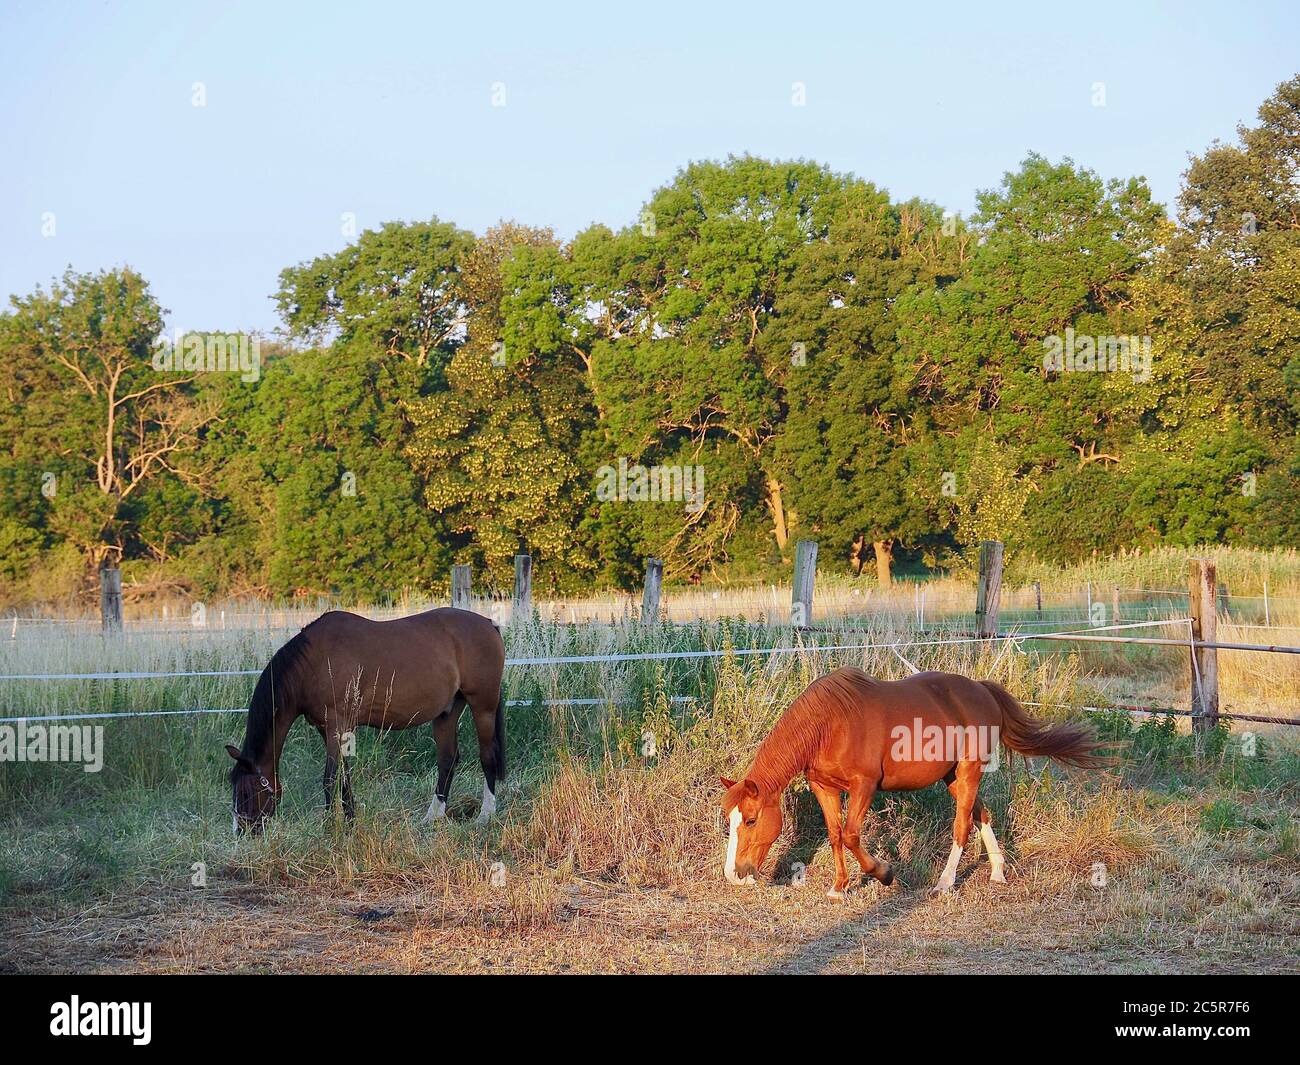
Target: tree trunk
x: 855, y: 554
x: 777, y: 509
x: 884, y: 557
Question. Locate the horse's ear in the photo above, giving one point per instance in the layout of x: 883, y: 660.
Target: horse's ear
x: 728, y: 784
x: 240, y: 760
x: 751, y: 789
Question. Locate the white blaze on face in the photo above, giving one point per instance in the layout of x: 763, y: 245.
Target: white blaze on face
x: 733, y: 843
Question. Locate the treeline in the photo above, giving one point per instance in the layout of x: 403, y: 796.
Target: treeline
x: 780, y: 350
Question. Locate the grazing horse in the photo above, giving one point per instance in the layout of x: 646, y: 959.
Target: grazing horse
x: 848, y: 732
x: 343, y: 670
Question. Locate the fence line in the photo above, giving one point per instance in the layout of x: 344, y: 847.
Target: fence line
x: 1222, y: 595
x: 647, y: 656
x: 1151, y: 641
x: 93, y: 715
x: 1122, y: 707
x: 1164, y: 710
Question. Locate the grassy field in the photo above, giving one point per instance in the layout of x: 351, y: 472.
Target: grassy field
x: 605, y: 859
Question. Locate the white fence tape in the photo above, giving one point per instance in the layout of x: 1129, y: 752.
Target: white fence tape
x: 91, y: 714
x: 649, y: 656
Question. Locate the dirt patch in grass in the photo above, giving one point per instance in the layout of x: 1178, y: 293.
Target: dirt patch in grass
x: 1157, y: 917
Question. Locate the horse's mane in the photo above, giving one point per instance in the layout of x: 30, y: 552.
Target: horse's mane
x: 800, y: 731
x: 274, y: 691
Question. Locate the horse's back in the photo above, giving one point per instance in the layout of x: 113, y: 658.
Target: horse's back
x: 963, y: 698
x: 464, y: 628
x: 405, y: 668
x: 935, y: 696
x: 872, y: 717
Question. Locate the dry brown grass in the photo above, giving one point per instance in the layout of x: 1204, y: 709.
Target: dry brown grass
x: 621, y: 823
x: 605, y: 860
x: 614, y: 869
x: 1156, y: 915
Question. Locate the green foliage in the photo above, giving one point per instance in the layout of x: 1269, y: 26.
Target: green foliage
x: 872, y: 374
x: 397, y: 289
x: 496, y: 452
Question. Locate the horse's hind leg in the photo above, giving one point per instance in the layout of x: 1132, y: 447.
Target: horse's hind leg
x: 996, y: 861
x: 991, y: 845
x: 963, y: 784
x: 485, y: 708
x: 444, y: 735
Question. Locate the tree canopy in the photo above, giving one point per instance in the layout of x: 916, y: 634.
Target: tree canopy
x: 768, y: 351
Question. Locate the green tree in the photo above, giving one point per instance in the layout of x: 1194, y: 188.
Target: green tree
x: 498, y: 456
x: 1223, y: 299
x: 690, y: 290
x: 397, y: 289
x: 849, y: 441
x: 1058, y: 257
x: 316, y: 478
x: 89, y: 408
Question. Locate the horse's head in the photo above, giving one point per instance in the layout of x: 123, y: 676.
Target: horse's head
x: 753, y: 823
x: 255, y: 796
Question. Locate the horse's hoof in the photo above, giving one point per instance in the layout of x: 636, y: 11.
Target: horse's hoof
x: 998, y: 877
x: 833, y: 894
x: 940, y: 889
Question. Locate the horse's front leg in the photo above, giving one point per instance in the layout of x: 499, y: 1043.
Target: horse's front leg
x: 336, y: 764
x: 829, y: 799
x: 444, y: 735
x: 859, y: 803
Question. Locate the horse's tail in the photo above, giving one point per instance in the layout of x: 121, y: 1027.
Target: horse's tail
x: 499, y: 742
x: 1071, y: 742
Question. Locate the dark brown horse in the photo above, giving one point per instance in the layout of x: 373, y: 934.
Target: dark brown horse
x: 342, y: 671
x: 850, y: 733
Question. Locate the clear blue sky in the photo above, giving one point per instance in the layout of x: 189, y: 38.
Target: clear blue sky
x: 385, y: 110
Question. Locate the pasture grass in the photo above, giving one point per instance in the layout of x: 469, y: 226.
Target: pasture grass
x: 607, y: 855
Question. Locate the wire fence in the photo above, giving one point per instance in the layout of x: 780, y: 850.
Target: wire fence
x: 1010, y: 639
x: 1032, y: 607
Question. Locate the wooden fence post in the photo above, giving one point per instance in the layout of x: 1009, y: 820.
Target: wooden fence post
x: 1038, y: 595
x: 1114, y: 610
x: 805, y: 572
x: 654, y: 579
x: 110, y: 598
x: 523, y: 599
x: 988, y: 593
x: 460, y: 587
x: 1202, y: 595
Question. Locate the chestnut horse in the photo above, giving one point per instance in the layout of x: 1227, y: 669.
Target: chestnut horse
x: 343, y: 670
x: 851, y: 733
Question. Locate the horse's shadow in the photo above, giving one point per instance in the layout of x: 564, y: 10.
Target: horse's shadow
x: 807, y: 835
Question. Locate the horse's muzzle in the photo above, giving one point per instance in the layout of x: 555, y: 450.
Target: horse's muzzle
x: 744, y: 875
x: 251, y: 826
